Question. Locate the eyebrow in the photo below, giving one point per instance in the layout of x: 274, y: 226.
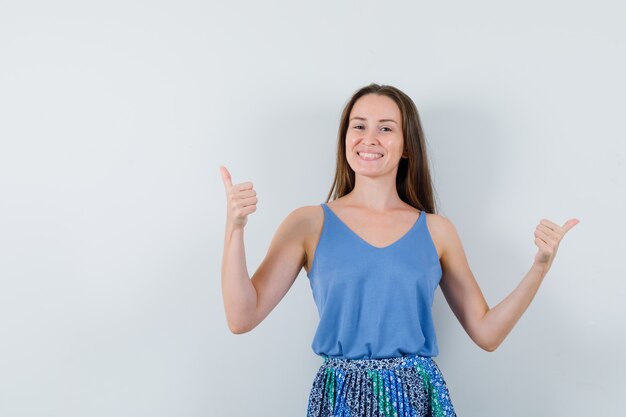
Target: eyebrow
x: 381, y: 120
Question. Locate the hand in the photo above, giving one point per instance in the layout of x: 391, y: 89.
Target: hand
x: 548, y: 235
x: 240, y: 198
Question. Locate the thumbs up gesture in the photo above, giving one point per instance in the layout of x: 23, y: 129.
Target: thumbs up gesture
x: 240, y: 198
x: 548, y: 236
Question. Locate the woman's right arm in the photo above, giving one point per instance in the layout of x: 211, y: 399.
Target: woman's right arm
x: 248, y: 301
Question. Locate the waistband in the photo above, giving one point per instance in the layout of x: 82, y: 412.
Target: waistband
x: 408, y: 361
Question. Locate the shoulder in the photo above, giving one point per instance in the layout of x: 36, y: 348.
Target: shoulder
x: 442, y: 230
x: 306, y: 223
x: 306, y: 213
x: 298, y: 227
x: 306, y: 219
x: 439, y: 222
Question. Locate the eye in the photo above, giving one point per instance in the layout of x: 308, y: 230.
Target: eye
x: 357, y: 126
x: 387, y: 128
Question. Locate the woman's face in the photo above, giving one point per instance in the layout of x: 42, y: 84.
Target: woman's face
x: 374, y: 141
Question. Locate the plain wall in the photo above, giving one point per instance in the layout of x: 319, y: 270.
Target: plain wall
x: 115, y: 117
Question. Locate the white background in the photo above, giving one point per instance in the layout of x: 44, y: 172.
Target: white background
x: 115, y: 117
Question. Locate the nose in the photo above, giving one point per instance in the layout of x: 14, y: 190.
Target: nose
x: 370, y: 136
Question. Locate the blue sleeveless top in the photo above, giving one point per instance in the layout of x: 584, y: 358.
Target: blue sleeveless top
x: 374, y: 302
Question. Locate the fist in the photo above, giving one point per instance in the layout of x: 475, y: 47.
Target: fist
x: 240, y: 198
x: 548, y: 236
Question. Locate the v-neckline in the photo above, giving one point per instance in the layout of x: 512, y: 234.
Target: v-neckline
x: 365, y: 241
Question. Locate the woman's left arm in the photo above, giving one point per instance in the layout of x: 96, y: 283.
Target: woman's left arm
x: 488, y: 327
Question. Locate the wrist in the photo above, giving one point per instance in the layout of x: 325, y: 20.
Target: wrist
x: 540, y: 268
x: 233, y: 230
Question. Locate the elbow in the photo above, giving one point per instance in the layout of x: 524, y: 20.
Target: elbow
x: 241, y: 323
x: 487, y: 338
x: 486, y: 342
x: 241, y: 326
x: 489, y: 345
x: 237, y: 328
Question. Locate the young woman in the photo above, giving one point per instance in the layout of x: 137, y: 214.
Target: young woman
x: 374, y: 256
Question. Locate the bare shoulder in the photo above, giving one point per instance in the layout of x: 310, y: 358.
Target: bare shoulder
x: 307, y: 217
x: 438, y: 222
x: 441, y: 230
x: 308, y: 222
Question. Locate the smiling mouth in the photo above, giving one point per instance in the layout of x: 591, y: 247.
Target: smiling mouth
x: 365, y: 156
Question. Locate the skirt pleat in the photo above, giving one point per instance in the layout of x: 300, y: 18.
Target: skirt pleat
x: 404, y: 386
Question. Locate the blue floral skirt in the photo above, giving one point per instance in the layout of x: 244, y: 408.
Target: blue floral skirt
x: 404, y: 386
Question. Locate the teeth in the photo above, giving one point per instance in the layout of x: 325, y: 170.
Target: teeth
x: 370, y: 155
